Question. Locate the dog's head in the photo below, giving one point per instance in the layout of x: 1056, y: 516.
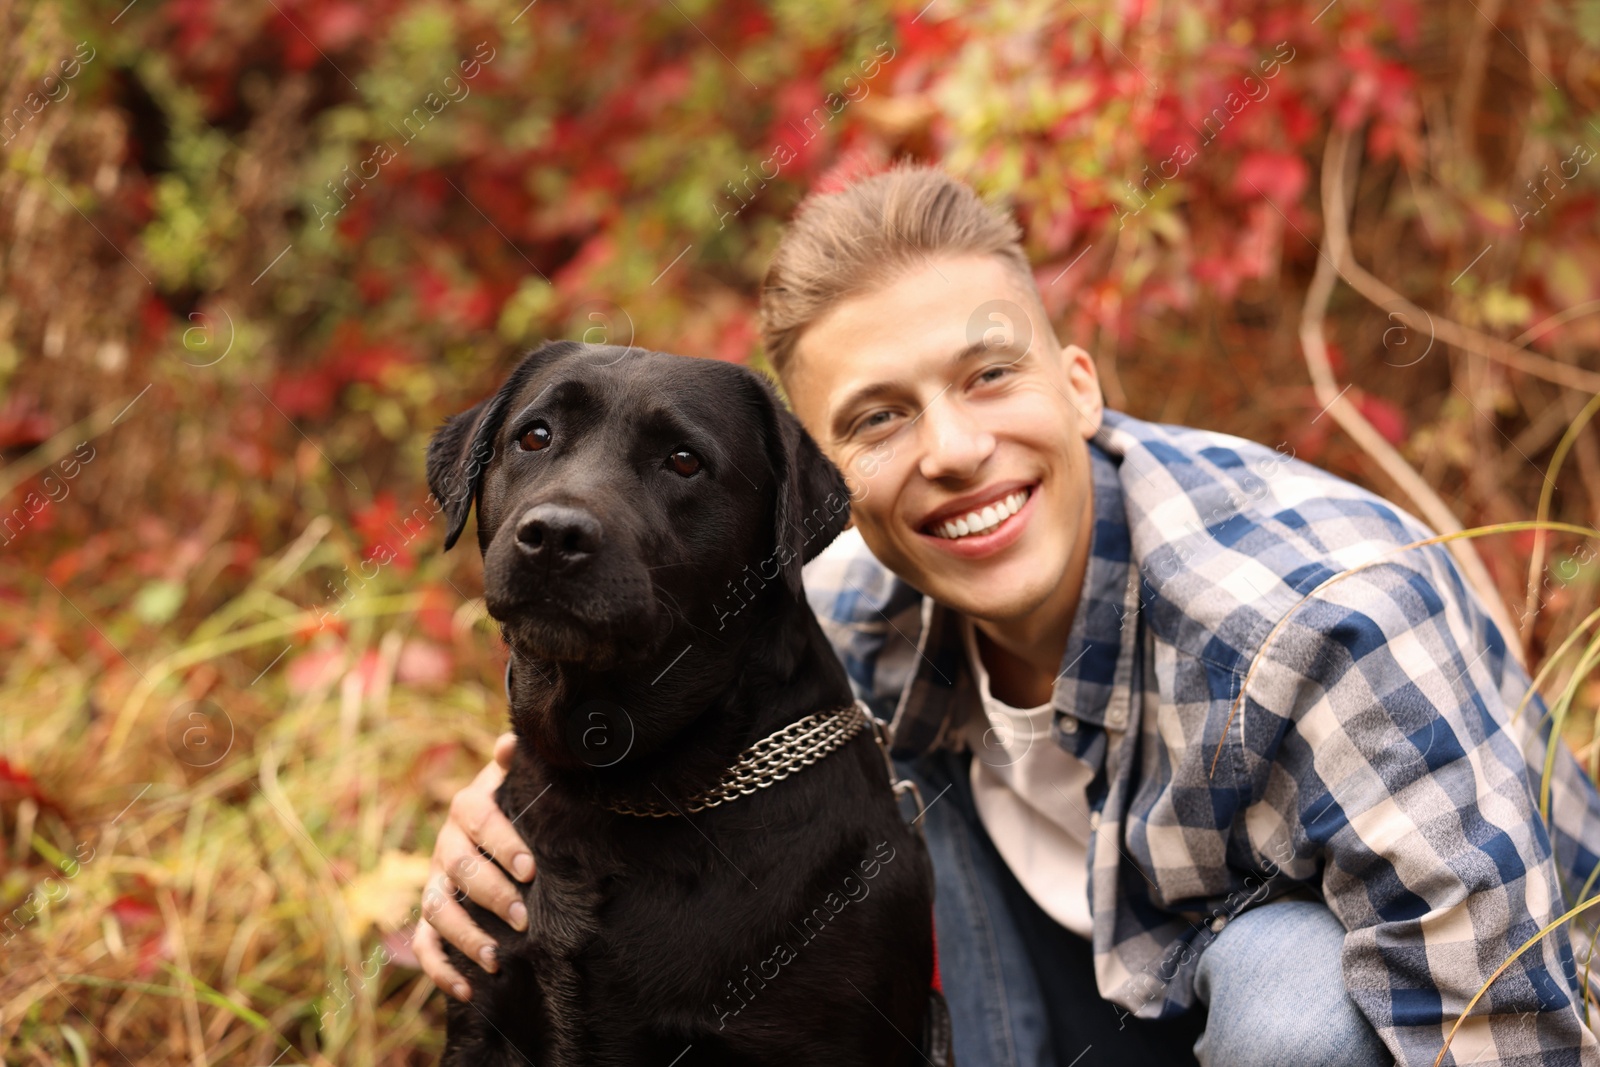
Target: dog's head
x: 623, y: 493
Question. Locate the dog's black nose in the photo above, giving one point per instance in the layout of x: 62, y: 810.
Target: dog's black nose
x: 558, y: 535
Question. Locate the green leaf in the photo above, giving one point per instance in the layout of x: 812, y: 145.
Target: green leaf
x: 80, y: 1049
x: 158, y: 602
x: 1501, y: 307
x: 219, y: 1000
x: 201, y: 991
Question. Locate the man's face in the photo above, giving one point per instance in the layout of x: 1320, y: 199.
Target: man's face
x: 949, y: 405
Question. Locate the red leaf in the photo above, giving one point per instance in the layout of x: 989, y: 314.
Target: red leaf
x: 154, y: 318
x: 316, y: 668
x: 16, y: 783
x: 1385, y: 417
x: 1279, y: 176
x: 737, y: 339
x: 854, y: 166
x: 307, y: 395
x: 151, y: 951
x: 337, y: 25
x: 366, y: 670
x: 374, y: 286
x: 1335, y: 358
x: 22, y: 425
x: 432, y: 289
x: 437, y: 613
x: 1310, y: 441
x: 928, y: 36
x: 423, y: 664
x: 131, y: 911
x: 384, y: 538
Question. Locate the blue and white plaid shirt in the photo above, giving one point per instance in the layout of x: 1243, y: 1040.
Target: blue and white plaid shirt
x: 1374, y: 761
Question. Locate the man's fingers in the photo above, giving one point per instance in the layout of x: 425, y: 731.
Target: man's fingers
x: 450, y: 919
x: 486, y: 781
x: 455, y: 856
x: 486, y: 884
x: 476, y: 822
x: 435, y: 964
x: 474, y: 810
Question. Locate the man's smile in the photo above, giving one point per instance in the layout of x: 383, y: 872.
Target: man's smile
x: 981, y: 523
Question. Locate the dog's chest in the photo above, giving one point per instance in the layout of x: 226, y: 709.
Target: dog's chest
x: 577, y: 871
x: 632, y: 924
x: 599, y: 899
x: 643, y: 932
x: 605, y: 914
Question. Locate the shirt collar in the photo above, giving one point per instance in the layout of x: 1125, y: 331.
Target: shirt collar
x: 1089, y: 667
x: 1094, y: 662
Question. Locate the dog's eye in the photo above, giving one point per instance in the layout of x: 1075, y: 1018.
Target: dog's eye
x: 537, y: 437
x: 684, y: 462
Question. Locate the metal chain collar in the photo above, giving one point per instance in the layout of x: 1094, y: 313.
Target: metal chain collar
x: 768, y: 761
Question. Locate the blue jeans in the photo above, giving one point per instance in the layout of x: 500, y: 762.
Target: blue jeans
x: 1021, y: 987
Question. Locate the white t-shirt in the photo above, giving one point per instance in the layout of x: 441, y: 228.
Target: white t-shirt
x: 1031, y: 797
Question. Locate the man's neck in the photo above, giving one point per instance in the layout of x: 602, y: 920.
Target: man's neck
x: 1023, y: 655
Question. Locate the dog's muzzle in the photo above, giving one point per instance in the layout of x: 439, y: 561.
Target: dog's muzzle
x: 558, y: 538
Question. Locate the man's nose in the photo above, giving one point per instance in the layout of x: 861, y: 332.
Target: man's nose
x: 954, y: 444
x: 558, y: 536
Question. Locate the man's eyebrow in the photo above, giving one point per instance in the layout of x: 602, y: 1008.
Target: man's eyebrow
x: 878, y: 389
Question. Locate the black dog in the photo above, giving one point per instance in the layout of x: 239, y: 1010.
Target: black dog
x: 643, y: 519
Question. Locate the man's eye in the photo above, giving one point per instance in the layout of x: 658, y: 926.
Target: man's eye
x: 993, y: 374
x: 876, y: 420
x: 536, y: 437
x: 683, y: 462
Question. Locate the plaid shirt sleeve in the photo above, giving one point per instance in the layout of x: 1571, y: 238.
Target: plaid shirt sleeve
x: 1380, y: 724
x: 871, y: 617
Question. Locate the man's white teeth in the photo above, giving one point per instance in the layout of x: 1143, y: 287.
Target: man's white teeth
x: 984, y: 520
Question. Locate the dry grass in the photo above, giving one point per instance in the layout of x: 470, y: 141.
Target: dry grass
x: 241, y: 912
x: 254, y: 910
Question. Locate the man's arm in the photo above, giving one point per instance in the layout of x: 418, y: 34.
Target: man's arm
x: 1411, y: 789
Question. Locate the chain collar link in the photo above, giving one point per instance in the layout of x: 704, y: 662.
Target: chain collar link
x: 768, y: 761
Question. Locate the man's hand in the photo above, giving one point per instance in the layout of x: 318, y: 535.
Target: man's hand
x: 476, y: 821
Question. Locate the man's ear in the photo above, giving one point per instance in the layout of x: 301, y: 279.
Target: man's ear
x: 463, y: 447
x: 813, y: 501
x: 1084, y: 379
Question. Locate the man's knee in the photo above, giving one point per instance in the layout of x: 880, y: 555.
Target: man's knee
x: 1274, y: 986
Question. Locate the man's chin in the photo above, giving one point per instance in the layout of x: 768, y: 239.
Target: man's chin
x: 995, y: 596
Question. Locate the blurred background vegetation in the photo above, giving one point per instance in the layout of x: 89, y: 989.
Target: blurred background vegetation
x: 252, y: 253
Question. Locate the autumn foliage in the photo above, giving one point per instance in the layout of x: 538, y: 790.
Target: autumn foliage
x: 252, y: 253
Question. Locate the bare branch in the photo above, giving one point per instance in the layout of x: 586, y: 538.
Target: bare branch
x: 1313, y: 342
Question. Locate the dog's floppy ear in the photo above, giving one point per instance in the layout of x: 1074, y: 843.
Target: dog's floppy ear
x: 457, y: 456
x: 462, y: 448
x: 813, y: 501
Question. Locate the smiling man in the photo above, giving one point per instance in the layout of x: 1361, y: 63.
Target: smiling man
x: 1214, y: 759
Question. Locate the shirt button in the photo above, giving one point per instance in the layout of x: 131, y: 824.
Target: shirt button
x: 1069, y: 725
x: 1218, y: 923
x: 1094, y: 820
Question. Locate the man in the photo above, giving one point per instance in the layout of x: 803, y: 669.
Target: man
x: 1208, y: 751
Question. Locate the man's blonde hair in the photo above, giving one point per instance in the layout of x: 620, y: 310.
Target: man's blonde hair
x: 868, y: 234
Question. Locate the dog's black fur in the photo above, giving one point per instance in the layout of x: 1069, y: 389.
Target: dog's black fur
x: 658, y: 627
